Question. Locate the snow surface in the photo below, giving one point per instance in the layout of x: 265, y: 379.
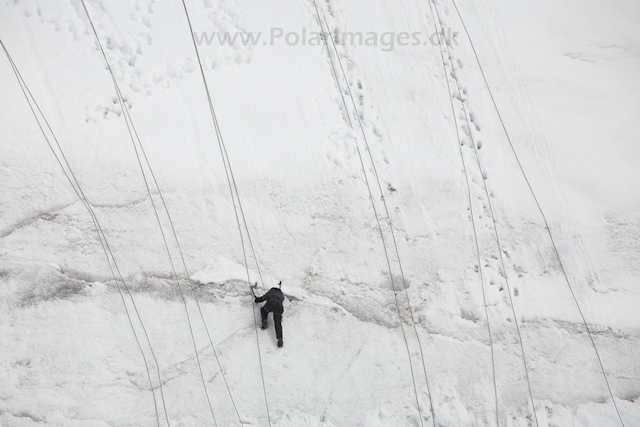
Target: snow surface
x: 565, y: 76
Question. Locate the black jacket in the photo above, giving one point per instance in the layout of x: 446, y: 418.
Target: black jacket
x: 274, y: 299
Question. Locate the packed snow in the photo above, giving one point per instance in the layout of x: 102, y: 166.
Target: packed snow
x: 412, y: 237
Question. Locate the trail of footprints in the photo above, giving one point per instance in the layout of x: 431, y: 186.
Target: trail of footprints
x: 470, y: 127
x: 130, y: 49
x: 343, y: 142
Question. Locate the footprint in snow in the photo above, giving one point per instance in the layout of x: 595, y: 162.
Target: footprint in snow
x: 474, y: 120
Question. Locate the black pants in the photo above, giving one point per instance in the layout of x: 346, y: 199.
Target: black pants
x: 277, y: 319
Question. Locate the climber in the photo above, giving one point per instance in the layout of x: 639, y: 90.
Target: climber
x: 274, y: 299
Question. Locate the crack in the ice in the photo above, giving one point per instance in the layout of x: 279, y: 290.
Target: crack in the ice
x: 51, y: 213
x: 338, y: 381
x: 46, y: 215
x: 177, y: 367
x: 24, y: 414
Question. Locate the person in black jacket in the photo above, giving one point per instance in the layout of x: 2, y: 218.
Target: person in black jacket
x: 274, y: 298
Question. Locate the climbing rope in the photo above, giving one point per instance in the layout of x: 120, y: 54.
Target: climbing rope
x: 191, y: 284
x: 232, y: 186
x: 544, y: 217
x: 135, y: 137
x: 493, y: 218
x: 322, y: 18
x: 175, y: 274
x: 71, y: 177
x: 473, y: 221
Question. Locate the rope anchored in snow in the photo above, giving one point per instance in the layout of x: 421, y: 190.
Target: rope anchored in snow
x: 135, y: 138
x: 472, y: 215
x: 544, y: 217
x: 233, y: 187
x: 116, y: 274
x: 322, y: 18
x: 493, y: 219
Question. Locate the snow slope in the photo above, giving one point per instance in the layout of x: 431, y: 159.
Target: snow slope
x: 561, y: 76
